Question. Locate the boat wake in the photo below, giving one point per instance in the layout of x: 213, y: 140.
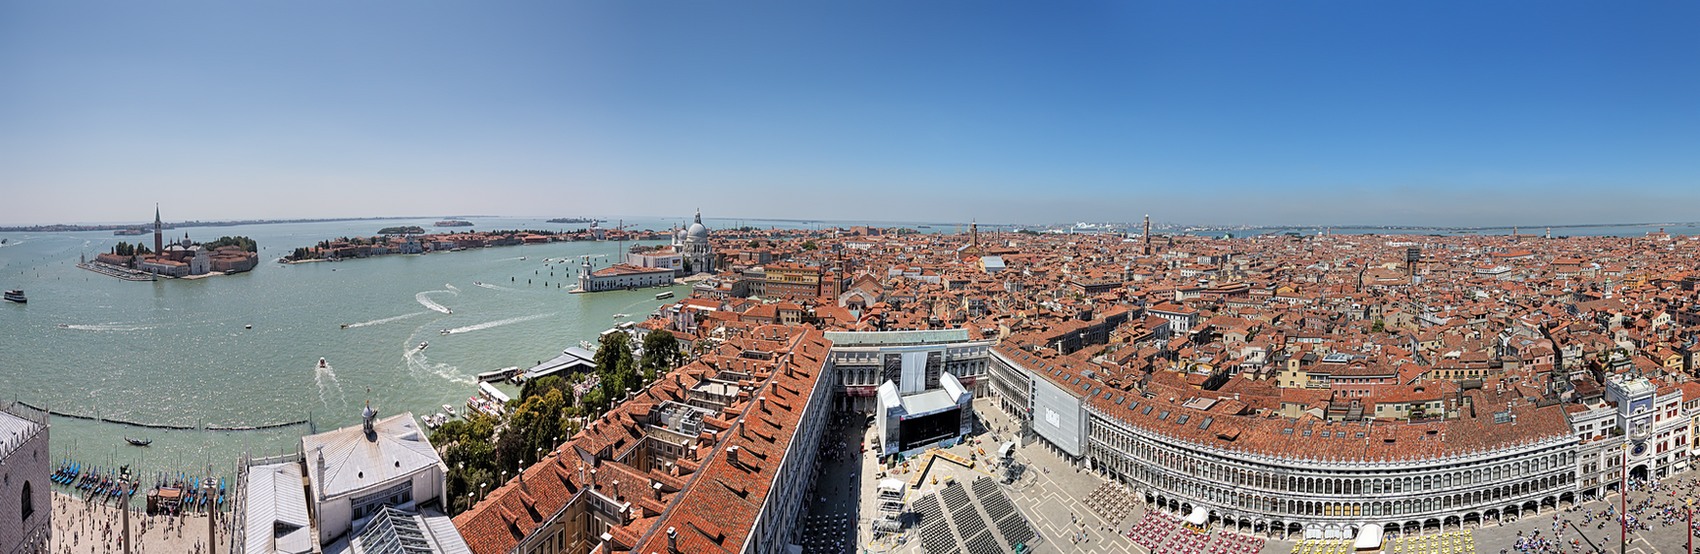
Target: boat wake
x: 108, y: 327
x: 319, y: 375
x: 451, y: 287
x: 424, y: 299
x: 383, y: 321
x: 418, y: 363
x: 496, y: 323
x: 494, y: 287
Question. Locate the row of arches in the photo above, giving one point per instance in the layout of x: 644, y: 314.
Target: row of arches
x: 1287, y: 529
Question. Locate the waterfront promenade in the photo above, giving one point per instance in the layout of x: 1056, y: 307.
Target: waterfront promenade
x: 124, y: 273
x: 95, y: 528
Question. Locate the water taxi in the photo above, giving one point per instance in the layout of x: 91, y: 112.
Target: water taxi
x: 664, y: 295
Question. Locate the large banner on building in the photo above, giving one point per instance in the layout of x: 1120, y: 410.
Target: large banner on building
x: 914, y: 373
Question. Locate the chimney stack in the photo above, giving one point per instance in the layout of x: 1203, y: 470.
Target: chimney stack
x: 673, y: 540
x: 732, y: 454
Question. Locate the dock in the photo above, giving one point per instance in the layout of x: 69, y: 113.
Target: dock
x: 124, y: 273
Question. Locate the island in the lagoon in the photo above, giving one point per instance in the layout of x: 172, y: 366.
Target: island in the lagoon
x: 572, y: 220
x: 454, y: 223
x: 402, y: 230
x: 181, y: 258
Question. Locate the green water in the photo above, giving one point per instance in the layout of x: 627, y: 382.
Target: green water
x: 176, y: 351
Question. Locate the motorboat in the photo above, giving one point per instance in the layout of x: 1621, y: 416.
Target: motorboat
x: 345, y: 326
x: 323, y: 365
x: 443, y: 332
x: 422, y: 345
x: 447, y: 409
x: 16, y: 295
x: 663, y: 295
x: 138, y: 442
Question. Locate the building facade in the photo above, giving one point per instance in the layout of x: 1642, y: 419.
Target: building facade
x: 912, y: 360
x: 26, y: 506
x: 621, y: 277
x: 1295, y: 477
x: 789, y: 281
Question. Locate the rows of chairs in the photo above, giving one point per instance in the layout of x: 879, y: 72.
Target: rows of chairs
x: 828, y: 533
x: 1233, y: 543
x: 1110, y: 501
x: 1153, y: 529
x: 1450, y: 542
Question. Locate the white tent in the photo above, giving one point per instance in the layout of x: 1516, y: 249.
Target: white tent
x: 1198, y: 517
x: 1369, y: 539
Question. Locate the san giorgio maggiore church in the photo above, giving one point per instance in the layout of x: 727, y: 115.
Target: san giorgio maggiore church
x: 654, y: 266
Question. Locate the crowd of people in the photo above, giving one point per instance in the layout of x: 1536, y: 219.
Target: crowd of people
x: 83, y: 526
x: 1659, y: 507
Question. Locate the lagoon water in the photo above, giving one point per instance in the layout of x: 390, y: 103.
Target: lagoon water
x: 176, y: 352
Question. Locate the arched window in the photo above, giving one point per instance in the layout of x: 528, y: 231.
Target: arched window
x: 28, y: 508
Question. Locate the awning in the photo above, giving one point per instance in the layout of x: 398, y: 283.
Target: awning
x: 1198, y: 517
x: 1369, y: 538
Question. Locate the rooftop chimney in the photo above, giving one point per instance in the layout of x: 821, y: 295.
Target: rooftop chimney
x: 673, y: 540
x: 732, y: 454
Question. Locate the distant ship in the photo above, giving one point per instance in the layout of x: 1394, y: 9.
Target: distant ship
x: 16, y: 295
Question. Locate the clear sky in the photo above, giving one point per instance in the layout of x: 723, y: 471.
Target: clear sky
x: 1296, y: 112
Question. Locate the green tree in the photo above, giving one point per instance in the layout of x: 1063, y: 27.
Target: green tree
x: 660, y: 353
x: 595, y: 403
x: 537, y: 387
x: 810, y: 245
x: 613, y: 350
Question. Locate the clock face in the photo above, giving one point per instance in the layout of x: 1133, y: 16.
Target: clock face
x: 1639, y: 448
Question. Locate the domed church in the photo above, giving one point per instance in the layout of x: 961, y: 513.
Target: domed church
x: 699, y: 256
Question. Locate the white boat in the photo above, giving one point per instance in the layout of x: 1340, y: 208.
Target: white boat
x: 422, y: 345
x: 618, y: 316
x: 522, y: 258
x: 322, y: 364
x: 443, y: 332
x: 447, y: 409
x: 664, y: 295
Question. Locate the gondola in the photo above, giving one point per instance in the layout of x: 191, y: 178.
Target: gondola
x: 138, y: 442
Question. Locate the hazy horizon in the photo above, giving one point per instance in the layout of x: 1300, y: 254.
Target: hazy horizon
x: 1302, y: 113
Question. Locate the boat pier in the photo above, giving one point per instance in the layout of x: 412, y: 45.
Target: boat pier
x: 124, y: 273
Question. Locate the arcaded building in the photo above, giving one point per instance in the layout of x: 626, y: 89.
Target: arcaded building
x: 1298, y: 477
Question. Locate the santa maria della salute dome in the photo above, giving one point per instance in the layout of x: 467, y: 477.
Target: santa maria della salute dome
x: 693, y: 243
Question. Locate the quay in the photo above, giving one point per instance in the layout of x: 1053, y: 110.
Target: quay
x: 126, y: 274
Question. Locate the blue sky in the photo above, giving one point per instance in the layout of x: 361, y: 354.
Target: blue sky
x: 1259, y: 112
